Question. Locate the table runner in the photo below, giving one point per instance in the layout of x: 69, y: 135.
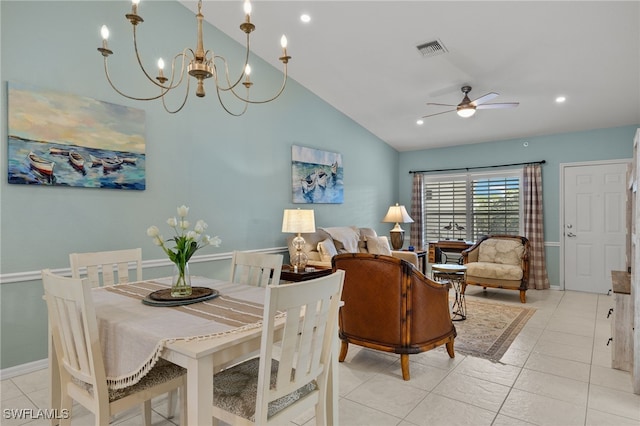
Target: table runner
x: 133, y: 335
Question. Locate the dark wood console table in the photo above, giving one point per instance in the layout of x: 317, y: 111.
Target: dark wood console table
x: 287, y: 274
x: 436, y: 248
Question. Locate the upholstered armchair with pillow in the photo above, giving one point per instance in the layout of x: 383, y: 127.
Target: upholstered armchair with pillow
x: 321, y: 246
x: 498, y: 261
x: 390, y: 306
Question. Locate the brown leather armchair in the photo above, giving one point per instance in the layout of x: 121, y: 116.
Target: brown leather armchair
x: 498, y: 261
x: 390, y: 306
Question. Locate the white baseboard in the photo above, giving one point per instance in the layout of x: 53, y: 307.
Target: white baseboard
x: 18, y: 370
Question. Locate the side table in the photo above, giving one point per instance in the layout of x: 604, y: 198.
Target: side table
x: 287, y: 274
x: 455, y: 275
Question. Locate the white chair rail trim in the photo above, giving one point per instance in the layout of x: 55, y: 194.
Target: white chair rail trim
x: 15, y: 277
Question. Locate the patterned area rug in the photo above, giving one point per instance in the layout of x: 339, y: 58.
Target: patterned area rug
x: 489, y: 329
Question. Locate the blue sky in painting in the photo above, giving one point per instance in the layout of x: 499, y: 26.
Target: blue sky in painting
x: 315, y: 156
x: 42, y: 114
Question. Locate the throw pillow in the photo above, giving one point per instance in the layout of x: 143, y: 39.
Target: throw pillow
x: 379, y: 245
x: 327, y: 250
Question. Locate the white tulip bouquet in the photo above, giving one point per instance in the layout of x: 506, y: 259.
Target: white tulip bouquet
x: 187, y: 242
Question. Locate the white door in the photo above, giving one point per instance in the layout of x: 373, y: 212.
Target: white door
x: 594, y: 225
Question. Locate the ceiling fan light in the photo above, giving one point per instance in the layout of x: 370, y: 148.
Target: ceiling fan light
x: 466, y: 112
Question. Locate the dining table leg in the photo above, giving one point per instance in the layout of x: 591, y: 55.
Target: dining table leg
x: 200, y: 391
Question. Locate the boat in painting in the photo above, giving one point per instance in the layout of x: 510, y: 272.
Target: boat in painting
x: 76, y: 159
x: 58, y: 151
x: 309, y: 183
x: 111, y: 163
x: 95, y: 161
x: 321, y: 177
x: 40, y: 164
x: 334, y: 168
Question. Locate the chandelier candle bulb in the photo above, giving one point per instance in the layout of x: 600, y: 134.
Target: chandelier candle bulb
x: 283, y: 43
x: 247, y: 71
x: 104, y: 32
x: 247, y: 10
x: 161, y: 78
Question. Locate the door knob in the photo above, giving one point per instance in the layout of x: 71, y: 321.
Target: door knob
x: 571, y: 234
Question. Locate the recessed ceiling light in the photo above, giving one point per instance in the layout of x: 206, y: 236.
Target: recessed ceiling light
x: 305, y: 18
x: 420, y: 122
x: 560, y: 99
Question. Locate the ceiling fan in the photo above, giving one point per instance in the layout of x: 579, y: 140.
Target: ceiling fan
x: 467, y: 107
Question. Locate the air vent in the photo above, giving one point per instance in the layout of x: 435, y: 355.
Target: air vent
x: 431, y: 48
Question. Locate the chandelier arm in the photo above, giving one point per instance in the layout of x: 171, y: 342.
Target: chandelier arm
x: 171, y: 86
x: 184, y: 101
x: 249, y: 101
x: 113, y: 86
x: 153, y: 80
x: 246, y: 105
x: 226, y: 74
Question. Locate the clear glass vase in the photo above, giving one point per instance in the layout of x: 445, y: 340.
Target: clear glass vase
x: 181, y: 282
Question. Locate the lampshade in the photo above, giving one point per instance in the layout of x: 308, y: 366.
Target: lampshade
x: 397, y: 214
x: 298, y: 221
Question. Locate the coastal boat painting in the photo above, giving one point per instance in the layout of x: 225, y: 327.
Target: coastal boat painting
x: 317, y: 176
x: 60, y: 139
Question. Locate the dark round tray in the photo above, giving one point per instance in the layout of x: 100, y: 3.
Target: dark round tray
x: 163, y: 297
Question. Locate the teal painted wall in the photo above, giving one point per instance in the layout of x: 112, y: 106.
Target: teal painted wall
x: 235, y: 173
x: 600, y: 144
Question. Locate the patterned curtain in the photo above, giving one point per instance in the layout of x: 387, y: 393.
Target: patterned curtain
x: 417, y: 227
x: 533, y: 227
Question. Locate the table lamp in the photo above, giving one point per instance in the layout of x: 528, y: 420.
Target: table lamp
x: 297, y: 221
x: 397, y: 214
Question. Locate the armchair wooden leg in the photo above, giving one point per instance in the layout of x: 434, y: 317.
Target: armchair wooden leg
x: 523, y: 296
x: 344, y: 347
x: 404, y: 363
x: 464, y: 287
x: 450, y: 351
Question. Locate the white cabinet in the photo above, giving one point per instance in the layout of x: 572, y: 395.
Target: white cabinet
x: 622, y: 322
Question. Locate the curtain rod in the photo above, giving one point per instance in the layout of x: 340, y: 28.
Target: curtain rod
x: 478, y: 167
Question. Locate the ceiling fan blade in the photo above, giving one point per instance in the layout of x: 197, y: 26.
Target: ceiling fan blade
x: 484, y: 98
x: 432, y: 103
x: 438, y: 113
x: 499, y: 106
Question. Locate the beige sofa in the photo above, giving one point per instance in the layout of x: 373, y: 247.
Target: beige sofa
x: 322, y: 245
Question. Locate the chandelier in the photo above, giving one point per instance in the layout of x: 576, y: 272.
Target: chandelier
x: 199, y: 64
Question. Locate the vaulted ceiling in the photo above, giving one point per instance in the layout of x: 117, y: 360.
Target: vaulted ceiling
x: 361, y: 57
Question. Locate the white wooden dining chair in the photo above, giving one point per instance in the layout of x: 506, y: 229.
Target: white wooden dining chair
x: 267, y: 390
x: 106, y: 267
x: 74, y: 329
x: 257, y: 269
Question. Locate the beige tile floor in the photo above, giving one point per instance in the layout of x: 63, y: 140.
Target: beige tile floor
x: 556, y: 372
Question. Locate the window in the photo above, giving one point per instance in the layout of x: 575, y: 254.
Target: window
x: 468, y: 206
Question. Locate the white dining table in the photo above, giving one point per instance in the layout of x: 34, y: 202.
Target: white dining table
x: 196, y: 336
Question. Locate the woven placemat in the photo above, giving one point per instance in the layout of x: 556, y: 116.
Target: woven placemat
x: 163, y: 297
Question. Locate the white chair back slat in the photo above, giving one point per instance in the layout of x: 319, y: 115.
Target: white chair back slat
x: 256, y: 269
x: 107, y: 267
x: 307, y: 342
x: 78, y: 333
